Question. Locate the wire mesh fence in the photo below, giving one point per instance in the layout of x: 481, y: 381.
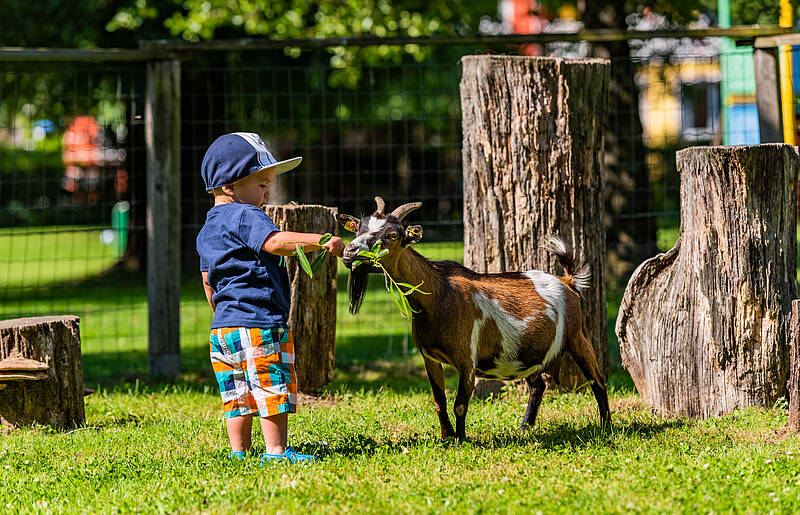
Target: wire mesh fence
x: 72, y: 171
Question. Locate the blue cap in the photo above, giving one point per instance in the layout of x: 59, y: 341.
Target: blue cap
x: 234, y: 156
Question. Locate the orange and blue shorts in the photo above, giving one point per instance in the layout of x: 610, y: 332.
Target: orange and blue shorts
x: 255, y: 370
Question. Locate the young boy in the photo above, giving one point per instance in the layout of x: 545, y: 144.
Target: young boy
x: 247, y: 287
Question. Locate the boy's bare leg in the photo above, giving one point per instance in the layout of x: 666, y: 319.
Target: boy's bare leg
x: 275, y: 429
x: 239, y: 432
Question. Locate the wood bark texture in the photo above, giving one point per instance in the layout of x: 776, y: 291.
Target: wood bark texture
x: 704, y: 327
x: 163, y: 142
x: 794, y: 370
x: 532, y: 163
x: 41, y: 372
x: 312, y: 317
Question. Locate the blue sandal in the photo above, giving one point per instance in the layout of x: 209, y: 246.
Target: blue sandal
x: 296, y: 457
x: 290, y: 455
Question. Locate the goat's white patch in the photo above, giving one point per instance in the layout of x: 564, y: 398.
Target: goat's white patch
x: 553, y: 292
x: 373, y: 226
x: 506, y: 365
x: 375, y: 223
x: 476, y: 334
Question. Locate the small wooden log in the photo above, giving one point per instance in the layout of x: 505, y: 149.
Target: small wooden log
x: 532, y: 163
x: 312, y: 317
x: 41, y: 372
x: 704, y: 328
x: 794, y: 370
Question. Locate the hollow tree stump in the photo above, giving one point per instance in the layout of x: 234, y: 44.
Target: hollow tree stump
x: 533, y: 131
x: 704, y: 327
x: 41, y: 372
x: 794, y: 370
x: 312, y: 317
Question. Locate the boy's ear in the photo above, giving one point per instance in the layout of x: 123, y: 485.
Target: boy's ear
x: 413, y: 235
x: 349, y: 222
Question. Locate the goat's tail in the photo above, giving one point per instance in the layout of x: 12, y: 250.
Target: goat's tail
x: 579, y: 272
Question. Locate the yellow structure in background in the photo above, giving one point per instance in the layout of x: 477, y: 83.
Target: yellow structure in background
x: 660, y: 99
x: 785, y: 58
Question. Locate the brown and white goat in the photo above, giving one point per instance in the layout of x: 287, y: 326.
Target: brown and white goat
x: 502, y: 326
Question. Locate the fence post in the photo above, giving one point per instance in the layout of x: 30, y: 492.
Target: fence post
x: 162, y: 139
x: 768, y: 95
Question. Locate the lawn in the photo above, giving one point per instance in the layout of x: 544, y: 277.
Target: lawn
x: 157, y: 447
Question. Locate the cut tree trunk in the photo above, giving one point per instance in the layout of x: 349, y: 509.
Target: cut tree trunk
x: 794, y: 370
x: 41, y: 372
x: 532, y: 163
x: 704, y: 327
x: 312, y: 317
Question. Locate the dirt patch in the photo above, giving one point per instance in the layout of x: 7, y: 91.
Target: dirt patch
x: 630, y: 403
x: 325, y: 400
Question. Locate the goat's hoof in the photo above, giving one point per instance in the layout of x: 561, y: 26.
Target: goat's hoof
x: 525, y: 426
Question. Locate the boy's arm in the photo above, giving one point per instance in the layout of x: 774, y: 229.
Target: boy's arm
x: 209, y: 290
x: 276, y: 243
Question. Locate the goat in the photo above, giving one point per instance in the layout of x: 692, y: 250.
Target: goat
x: 509, y: 325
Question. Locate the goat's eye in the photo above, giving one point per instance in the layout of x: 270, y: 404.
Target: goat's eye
x: 390, y: 235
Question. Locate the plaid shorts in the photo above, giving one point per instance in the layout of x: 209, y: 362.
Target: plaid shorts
x: 255, y: 370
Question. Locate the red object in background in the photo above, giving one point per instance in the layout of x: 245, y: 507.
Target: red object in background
x: 526, y: 18
x: 80, y: 142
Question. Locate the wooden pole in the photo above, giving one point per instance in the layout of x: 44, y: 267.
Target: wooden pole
x: 768, y: 95
x: 312, y: 317
x: 532, y: 162
x: 162, y: 139
x: 704, y: 328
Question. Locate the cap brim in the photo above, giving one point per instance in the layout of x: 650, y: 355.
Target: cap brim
x: 283, y: 166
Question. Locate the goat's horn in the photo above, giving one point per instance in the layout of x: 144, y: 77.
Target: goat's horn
x: 381, y: 204
x: 403, y: 210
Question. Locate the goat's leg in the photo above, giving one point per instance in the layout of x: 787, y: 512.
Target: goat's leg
x: 582, y: 352
x: 537, y: 386
x: 436, y: 377
x: 466, y: 384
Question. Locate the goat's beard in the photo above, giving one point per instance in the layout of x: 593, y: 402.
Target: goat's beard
x: 357, y: 286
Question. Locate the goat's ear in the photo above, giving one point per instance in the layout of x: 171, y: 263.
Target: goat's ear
x: 349, y: 222
x: 413, y: 234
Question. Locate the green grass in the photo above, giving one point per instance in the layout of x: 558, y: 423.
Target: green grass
x: 155, y: 447
x: 45, y: 256
x: 163, y: 449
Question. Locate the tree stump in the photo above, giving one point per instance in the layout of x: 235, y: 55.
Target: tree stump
x: 794, y: 370
x: 41, y: 372
x: 312, y: 317
x: 532, y: 162
x: 704, y: 327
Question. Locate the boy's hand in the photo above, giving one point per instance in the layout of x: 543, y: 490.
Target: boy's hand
x: 335, y: 246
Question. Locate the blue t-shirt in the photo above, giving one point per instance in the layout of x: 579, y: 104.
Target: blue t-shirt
x: 251, y: 287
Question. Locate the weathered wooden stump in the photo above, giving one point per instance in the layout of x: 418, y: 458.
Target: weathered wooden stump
x: 704, y: 327
x: 312, y: 317
x: 533, y: 132
x: 41, y: 372
x: 794, y: 370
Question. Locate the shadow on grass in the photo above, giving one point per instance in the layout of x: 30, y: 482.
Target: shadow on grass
x: 553, y: 437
